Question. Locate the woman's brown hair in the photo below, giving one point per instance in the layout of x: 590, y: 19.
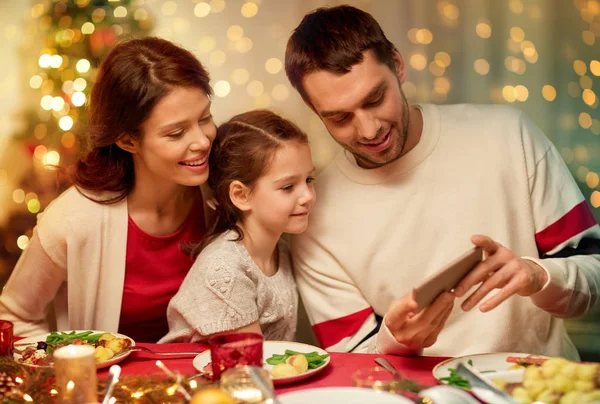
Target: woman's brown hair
x: 133, y: 78
x: 243, y: 151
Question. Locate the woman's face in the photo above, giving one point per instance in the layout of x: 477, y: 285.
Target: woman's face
x: 176, y: 139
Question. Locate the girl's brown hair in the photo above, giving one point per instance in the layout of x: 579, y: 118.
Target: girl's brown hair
x: 133, y: 78
x: 243, y: 150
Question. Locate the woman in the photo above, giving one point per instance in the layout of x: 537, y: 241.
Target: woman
x: 108, y: 251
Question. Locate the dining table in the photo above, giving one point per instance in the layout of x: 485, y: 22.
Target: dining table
x: 338, y: 373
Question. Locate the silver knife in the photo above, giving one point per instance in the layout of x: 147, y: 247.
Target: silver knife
x: 479, y: 382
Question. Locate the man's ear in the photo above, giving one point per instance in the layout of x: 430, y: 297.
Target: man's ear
x: 240, y: 195
x: 400, y: 67
x: 128, y: 143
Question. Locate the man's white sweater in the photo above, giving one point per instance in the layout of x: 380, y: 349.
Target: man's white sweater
x: 375, y: 234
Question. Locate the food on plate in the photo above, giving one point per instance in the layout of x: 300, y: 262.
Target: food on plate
x: 292, y: 363
x: 299, y: 362
x: 454, y: 379
x: 284, y: 370
x: 557, y: 381
x: 211, y: 395
x: 107, y: 346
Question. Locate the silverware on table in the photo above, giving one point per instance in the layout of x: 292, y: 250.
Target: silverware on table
x: 481, y: 386
x: 384, y: 363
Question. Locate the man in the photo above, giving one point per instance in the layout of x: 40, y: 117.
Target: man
x: 416, y: 186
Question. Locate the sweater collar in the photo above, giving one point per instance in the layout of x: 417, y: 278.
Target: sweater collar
x: 347, y: 164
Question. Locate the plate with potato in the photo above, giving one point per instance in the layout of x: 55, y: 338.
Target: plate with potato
x: 286, y: 362
x: 528, y: 378
x: 36, y: 352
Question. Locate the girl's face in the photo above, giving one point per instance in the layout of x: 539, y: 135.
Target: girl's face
x: 283, y: 197
x: 176, y: 139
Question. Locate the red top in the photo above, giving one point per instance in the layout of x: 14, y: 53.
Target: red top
x: 155, y: 267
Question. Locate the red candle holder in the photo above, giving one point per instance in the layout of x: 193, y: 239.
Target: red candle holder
x: 6, y: 338
x: 235, y: 350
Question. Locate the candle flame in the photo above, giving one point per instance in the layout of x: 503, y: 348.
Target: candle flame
x: 137, y: 394
x: 171, y: 390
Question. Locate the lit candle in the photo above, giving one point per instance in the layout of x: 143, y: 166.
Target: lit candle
x: 75, y: 368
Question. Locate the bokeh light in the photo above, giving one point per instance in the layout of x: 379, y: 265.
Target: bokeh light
x: 222, y: 88
x: 240, y: 76
x: 481, y: 66
x: 202, y: 9
x: 273, y: 65
x: 235, y: 33
x: 65, y: 123
x: 418, y: 61
x: 23, y: 241
x: 280, y: 92
x: 249, y: 9
x: 549, y: 92
x: 255, y: 88
x: 483, y: 30
x: 83, y: 66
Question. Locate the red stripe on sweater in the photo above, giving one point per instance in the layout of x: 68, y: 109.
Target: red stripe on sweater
x: 331, y: 332
x: 575, y: 221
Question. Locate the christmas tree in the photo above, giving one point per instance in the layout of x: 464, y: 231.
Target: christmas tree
x: 65, y: 41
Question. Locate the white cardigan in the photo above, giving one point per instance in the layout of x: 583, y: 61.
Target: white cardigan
x: 76, y: 258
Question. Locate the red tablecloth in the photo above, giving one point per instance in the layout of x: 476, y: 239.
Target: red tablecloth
x: 337, y: 374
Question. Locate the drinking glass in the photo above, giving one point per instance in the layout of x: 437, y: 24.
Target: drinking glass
x: 6, y: 338
x: 235, y: 350
x: 238, y: 383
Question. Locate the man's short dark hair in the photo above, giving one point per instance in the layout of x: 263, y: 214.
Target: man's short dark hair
x: 334, y: 39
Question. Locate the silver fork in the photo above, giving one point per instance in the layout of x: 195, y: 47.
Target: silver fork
x: 137, y: 348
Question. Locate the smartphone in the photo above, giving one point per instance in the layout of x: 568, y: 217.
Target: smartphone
x: 447, y: 278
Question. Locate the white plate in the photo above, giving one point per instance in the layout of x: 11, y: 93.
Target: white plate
x: 269, y: 349
x: 490, y: 365
x: 341, y: 395
x: 34, y: 340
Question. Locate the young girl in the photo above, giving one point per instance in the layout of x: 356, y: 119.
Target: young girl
x: 261, y: 175
x: 98, y: 249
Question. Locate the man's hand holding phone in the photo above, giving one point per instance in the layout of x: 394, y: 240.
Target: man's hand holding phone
x: 416, y: 319
x: 418, y: 330
x: 503, y: 270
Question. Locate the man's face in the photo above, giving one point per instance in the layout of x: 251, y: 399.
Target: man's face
x: 364, y: 110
